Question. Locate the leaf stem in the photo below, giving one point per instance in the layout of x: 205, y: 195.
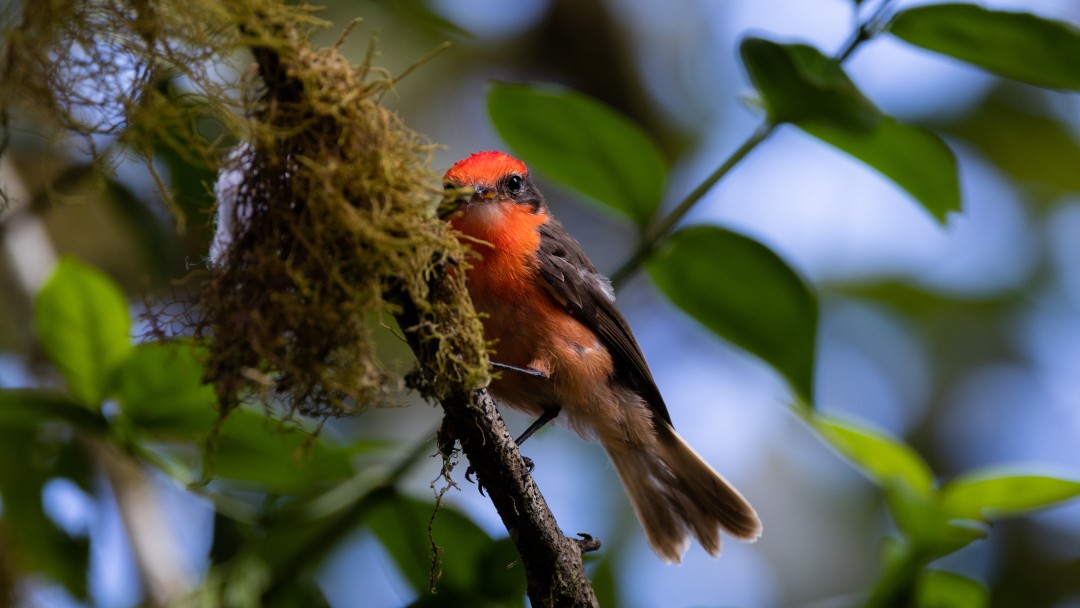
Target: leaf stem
x: 657, y: 233
x: 652, y: 237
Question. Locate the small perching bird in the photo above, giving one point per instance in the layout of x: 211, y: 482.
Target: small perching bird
x: 565, y: 349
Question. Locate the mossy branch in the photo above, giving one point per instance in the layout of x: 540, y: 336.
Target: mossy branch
x: 443, y: 331
x: 553, y: 564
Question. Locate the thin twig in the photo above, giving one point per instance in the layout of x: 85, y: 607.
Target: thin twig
x: 865, y: 30
x: 660, y: 231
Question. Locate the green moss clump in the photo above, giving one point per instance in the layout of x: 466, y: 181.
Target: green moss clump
x: 335, y: 214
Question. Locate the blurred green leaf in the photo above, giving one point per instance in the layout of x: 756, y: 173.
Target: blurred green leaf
x: 604, y: 584
x: 1020, y: 46
x: 798, y: 83
x: 502, y: 574
x: 746, y: 294
x: 25, y: 409
x: 928, y: 527
x: 982, y: 495
x: 82, y: 320
x: 161, y: 391
x: 418, y: 13
x: 886, y: 460
x: 401, y: 525
x: 1030, y: 146
x: 938, y: 589
x: 914, y: 158
x: 275, y: 456
x: 581, y: 143
x: 37, y: 544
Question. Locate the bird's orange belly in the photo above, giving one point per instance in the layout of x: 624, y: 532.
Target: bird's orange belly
x: 532, y: 330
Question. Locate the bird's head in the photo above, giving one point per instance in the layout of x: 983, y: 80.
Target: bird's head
x: 500, y: 188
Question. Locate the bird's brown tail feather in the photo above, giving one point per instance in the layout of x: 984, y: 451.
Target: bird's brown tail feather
x: 676, y: 494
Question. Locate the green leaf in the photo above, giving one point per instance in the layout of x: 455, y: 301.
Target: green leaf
x: 914, y: 158
x: 83, y: 323
x: 1020, y: 46
x: 502, y: 574
x: 798, y: 83
x: 746, y: 294
x: 274, y: 456
x: 604, y: 584
x: 886, y: 460
x: 581, y: 143
x: 938, y: 589
x: 1024, y: 139
x: 931, y: 530
x: 983, y: 495
x: 25, y: 409
x: 35, y: 541
x: 161, y: 391
x: 401, y: 525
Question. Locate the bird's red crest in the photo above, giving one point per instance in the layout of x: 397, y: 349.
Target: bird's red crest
x: 484, y: 168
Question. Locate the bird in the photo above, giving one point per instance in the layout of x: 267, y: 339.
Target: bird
x: 563, y: 349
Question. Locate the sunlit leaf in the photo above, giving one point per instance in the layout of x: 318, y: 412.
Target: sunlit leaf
x: 798, y: 83
x: 82, y: 320
x: 983, y: 494
x: 927, y: 526
x: 581, y: 143
x: 746, y: 294
x: 938, y: 589
x: 161, y: 391
x: 914, y: 158
x: 886, y: 460
x: 1020, y: 46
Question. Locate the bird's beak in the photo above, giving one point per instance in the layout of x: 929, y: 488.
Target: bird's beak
x: 484, y: 194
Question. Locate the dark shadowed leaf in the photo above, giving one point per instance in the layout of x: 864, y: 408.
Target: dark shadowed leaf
x: 746, y: 294
x: 581, y: 143
x: 274, y: 456
x: 982, y: 495
x: 886, y: 460
x: 161, y: 391
x: 25, y: 409
x: 1024, y: 139
x: 401, y: 525
x: 1020, y: 46
x: 604, y: 584
x: 914, y: 158
x: 938, y: 589
x: 82, y: 320
x: 36, y: 543
x: 502, y: 574
x: 797, y: 83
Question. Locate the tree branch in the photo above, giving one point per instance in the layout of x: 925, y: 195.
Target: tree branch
x: 553, y: 565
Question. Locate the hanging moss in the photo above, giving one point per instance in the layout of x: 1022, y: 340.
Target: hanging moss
x: 333, y: 207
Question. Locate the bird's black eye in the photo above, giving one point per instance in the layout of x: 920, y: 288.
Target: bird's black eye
x: 514, y: 183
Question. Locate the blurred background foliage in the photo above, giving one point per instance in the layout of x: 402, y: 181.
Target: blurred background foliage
x: 934, y: 331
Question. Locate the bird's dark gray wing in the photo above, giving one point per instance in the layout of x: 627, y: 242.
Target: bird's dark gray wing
x: 587, y: 295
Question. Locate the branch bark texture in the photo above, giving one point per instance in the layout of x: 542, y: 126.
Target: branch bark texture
x: 553, y: 564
